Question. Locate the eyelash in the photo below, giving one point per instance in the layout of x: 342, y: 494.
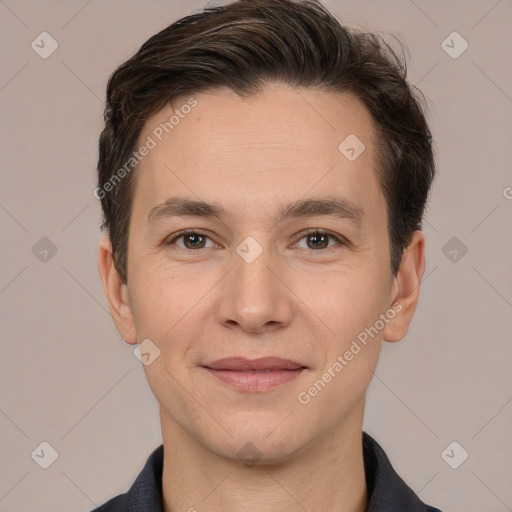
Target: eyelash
x: 314, y: 231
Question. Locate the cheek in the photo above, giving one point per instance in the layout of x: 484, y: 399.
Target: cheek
x: 346, y: 301
x: 349, y: 307
x: 155, y: 302
x: 168, y: 304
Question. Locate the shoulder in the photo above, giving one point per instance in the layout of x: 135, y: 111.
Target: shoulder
x: 145, y: 494
x: 117, y: 504
x: 387, y: 491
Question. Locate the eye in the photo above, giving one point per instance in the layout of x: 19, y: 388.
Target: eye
x: 319, y: 239
x: 315, y: 239
x: 191, y: 240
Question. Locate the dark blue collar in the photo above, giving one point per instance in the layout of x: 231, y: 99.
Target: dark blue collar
x: 387, y: 492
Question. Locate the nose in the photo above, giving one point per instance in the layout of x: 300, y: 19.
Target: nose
x: 255, y: 296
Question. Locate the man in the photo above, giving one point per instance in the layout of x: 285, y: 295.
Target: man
x: 263, y: 173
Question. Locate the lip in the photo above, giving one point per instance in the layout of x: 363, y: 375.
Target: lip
x: 243, y: 364
x: 255, y: 375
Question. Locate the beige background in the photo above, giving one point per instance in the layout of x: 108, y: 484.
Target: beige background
x: 66, y: 376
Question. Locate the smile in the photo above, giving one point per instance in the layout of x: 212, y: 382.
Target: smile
x: 255, y: 376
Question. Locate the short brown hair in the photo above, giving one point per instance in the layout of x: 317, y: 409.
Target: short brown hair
x: 243, y: 46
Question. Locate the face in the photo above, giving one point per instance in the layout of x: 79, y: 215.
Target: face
x: 258, y: 307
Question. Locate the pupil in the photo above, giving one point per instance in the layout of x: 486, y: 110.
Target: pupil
x: 316, y: 237
x: 193, y: 237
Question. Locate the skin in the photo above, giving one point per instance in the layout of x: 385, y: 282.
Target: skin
x: 295, y: 300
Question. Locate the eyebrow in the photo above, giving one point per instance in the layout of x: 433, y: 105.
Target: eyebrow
x: 332, y: 206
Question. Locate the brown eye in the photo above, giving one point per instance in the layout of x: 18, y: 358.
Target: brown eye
x: 320, y: 239
x: 191, y: 240
x: 194, y: 241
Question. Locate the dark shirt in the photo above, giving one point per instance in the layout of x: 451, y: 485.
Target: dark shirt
x: 387, y: 492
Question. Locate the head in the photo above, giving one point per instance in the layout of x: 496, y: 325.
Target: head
x: 253, y: 125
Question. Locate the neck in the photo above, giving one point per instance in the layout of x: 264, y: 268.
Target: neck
x: 328, y: 476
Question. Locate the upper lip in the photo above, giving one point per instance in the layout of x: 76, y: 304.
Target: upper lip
x: 242, y: 364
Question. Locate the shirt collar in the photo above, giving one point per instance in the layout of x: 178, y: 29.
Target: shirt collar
x: 387, y: 492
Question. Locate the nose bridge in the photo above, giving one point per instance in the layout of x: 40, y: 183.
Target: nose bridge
x: 253, y: 296
x: 252, y: 265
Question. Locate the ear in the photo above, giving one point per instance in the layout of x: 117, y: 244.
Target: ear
x: 116, y: 292
x: 406, y: 288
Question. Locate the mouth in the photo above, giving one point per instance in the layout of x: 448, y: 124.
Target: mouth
x: 256, y: 375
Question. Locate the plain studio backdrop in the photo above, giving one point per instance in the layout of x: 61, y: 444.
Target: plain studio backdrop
x: 440, y: 402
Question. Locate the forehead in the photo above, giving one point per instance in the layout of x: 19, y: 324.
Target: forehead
x: 279, y: 142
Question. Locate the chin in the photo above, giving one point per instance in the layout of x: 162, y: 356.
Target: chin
x: 251, y: 450
x: 255, y: 443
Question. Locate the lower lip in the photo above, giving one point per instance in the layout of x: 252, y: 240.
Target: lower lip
x: 255, y: 381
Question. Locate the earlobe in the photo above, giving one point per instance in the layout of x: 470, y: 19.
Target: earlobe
x: 407, y: 288
x: 116, y: 292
